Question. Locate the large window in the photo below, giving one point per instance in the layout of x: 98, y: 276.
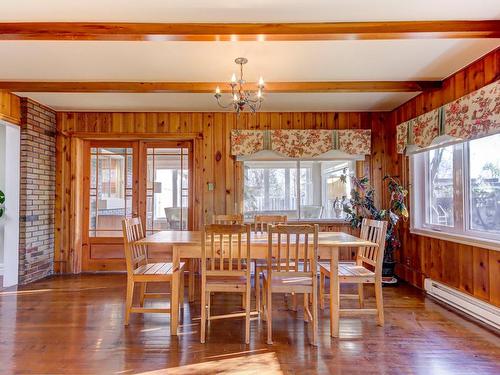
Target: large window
x: 303, y: 189
x: 456, y: 189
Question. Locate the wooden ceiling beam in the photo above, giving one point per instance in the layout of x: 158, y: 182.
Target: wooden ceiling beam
x: 209, y: 87
x: 248, y: 31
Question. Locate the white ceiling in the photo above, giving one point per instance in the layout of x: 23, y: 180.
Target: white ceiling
x: 246, y: 10
x: 334, y: 102
x: 213, y: 61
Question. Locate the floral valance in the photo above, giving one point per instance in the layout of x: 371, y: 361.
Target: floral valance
x: 472, y: 116
x: 301, y: 143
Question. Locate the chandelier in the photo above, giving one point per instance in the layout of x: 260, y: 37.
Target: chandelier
x: 241, y: 98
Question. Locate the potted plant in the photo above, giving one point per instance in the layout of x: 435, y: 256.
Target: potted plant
x: 362, y: 205
x: 2, y: 201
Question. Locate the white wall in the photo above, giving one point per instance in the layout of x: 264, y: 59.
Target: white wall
x: 10, y: 139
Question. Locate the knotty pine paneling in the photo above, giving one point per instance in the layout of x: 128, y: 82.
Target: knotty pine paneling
x: 10, y: 107
x: 212, y: 159
x: 471, y: 269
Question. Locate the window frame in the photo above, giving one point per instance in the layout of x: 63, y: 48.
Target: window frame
x: 461, y: 231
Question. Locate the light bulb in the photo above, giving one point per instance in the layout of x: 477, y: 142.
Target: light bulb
x: 235, y: 97
x: 217, y: 90
x: 233, y: 78
x: 261, y: 81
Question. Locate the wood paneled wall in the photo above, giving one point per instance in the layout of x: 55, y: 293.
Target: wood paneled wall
x: 471, y: 269
x: 10, y: 107
x: 212, y: 159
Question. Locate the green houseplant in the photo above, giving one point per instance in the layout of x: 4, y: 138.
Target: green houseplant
x: 362, y: 205
x: 2, y: 201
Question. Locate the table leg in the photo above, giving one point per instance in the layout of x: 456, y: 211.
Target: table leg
x: 174, y: 300
x: 334, y: 292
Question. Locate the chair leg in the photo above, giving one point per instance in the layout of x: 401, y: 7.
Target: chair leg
x: 128, y: 302
x: 191, y: 286
x: 243, y: 301
x: 264, y: 301
x: 209, y: 300
x: 181, y: 290
x: 203, y: 320
x: 142, y: 293
x: 322, y: 280
x: 315, y: 313
x: 294, y: 301
x: 247, y: 317
x: 361, y: 295
x: 306, y: 307
x: 257, y: 289
x: 269, y: 315
x: 380, y: 302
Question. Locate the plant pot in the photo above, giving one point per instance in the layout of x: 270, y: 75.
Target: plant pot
x: 388, y: 273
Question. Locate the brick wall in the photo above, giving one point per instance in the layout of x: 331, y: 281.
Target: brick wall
x: 37, y: 191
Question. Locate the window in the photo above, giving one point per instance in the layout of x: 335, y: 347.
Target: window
x: 456, y: 189
x: 305, y: 189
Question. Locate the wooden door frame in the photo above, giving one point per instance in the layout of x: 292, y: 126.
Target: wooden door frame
x: 89, y: 264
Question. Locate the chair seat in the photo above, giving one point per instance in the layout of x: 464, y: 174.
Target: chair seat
x: 226, y: 283
x: 160, y: 270
x: 262, y: 263
x: 289, y: 283
x: 348, y: 270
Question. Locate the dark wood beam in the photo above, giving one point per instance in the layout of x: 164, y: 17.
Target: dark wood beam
x: 209, y: 87
x: 248, y: 31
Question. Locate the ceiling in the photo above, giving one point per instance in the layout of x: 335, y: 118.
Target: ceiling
x: 346, y: 60
x: 247, y: 11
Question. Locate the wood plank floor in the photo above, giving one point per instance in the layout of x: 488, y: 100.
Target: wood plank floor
x: 74, y: 325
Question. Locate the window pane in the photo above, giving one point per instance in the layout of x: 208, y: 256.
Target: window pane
x: 440, y: 187
x: 336, y: 192
x: 270, y: 188
x: 167, y: 176
x: 107, y: 202
x: 484, y: 184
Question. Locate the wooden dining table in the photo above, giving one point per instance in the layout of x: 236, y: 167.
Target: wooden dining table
x: 187, y: 245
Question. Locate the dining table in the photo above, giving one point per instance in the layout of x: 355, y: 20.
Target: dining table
x: 187, y: 245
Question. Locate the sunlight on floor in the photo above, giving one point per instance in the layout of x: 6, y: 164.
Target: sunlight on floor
x: 266, y: 363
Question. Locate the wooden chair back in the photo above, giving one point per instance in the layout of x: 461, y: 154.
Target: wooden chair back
x: 373, y: 231
x: 262, y: 222
x: 295, y: 250
x: 228, y: 219
x: 226, y: 250
x: 135, y: 255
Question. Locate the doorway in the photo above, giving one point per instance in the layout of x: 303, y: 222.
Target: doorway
x: 152, y: 180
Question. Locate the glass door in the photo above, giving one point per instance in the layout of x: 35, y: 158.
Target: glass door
x: 110, y: 195
x: 168, y: 186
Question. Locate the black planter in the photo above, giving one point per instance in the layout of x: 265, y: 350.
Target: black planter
x: 388, y: 269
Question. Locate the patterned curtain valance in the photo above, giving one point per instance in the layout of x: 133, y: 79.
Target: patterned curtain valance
x: 301, y: 143
x: 472, y: 116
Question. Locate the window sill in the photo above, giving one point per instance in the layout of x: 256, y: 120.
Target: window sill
x: 312, y: 221
x: 465, y: 240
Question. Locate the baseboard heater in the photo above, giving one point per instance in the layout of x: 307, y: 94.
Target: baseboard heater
x: 480, y: 310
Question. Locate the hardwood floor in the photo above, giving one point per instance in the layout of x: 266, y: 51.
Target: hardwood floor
x: 74, y: 325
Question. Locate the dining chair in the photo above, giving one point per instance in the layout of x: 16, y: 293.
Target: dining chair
x: 228, y: 219
x: 141, y: 271
x: 295, y: 270
x: 367, y: 269
x: 225, y: 261
x: 260, y: 225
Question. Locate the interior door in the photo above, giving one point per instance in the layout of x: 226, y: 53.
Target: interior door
x: 131, y: 178
x: 167, y: 187
x: 111, y: 193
